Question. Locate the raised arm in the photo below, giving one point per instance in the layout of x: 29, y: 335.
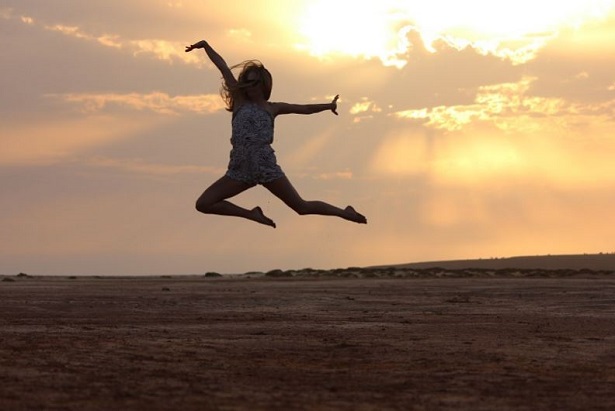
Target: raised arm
x: 286, y: 108
x: 215, y: 58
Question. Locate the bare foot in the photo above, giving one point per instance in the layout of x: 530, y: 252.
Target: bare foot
x: 260, y: 217
x: 353, y: 215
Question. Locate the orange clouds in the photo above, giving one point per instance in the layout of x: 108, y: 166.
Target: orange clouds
x: 511, y: 107
x: 515, y: 31
x: 158, y: 48
x: 47, y: 142
x: 157, y: 102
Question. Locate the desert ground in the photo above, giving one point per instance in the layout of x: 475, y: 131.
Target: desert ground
x: 352, y: 339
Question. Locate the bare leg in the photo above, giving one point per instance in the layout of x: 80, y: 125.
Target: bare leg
x: 213, y: 201
x: 284, y: 190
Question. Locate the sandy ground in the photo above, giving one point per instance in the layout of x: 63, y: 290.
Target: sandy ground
x: 327, y: 343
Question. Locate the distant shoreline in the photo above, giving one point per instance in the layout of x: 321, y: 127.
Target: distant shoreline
x: 594, y: 262
x: 569, y: 264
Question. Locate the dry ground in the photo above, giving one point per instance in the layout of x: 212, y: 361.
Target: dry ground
x: 196, y: 343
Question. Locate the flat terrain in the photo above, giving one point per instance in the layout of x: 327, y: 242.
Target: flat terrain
x: 430, y: 342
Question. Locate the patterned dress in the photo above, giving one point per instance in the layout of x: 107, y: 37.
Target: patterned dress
x: 252, y: 158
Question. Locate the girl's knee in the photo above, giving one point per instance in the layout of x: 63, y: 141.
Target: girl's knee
x: 202, y: 205
x: 302, y: 208
x: 199, y: 206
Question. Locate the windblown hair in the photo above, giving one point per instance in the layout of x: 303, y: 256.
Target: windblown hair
x: 263, y: 79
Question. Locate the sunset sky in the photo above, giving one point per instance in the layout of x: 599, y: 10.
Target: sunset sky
x: 467, y: 129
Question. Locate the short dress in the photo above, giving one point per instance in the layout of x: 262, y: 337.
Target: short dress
x: 252, y: 160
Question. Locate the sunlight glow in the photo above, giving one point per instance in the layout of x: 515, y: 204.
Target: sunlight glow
x: 402, y: 155
x: 512, y: 30
x: 355, y: 29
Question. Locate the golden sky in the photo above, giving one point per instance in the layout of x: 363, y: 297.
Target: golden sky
x: 467, y: 129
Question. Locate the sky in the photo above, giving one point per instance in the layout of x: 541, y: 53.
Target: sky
x: 467, y: 129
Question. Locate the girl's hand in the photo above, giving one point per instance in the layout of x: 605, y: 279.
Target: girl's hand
x: 334, y: 104
x: 198, y: 45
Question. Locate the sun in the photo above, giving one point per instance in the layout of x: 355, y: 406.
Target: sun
x: 379, y: 29
x: 364, y: 29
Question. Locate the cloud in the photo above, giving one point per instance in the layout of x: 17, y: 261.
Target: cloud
x: 157, y: 102
x: 508, y: 133
x: 52, y: 141
x: 511, y: 107
x: 160, y: 49
x: 140, y: 166
x: 338, y: 175
x: 513, y: 31
x: 364, y: 109
x: 578, y: 66
x: 481, y: 155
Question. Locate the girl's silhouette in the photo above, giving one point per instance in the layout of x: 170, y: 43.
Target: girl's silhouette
x: 252, y: 159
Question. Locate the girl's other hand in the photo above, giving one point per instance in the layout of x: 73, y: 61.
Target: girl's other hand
x: 198, y: 45
x: 334, y: 104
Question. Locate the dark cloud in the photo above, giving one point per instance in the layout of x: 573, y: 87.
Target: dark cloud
x: 577, y: 66
x: 447, y: 76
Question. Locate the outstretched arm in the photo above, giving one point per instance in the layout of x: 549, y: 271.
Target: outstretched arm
x: 216, y: 59
x: 286, y: 108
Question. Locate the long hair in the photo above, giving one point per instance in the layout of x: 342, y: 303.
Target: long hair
x: 263, y: 79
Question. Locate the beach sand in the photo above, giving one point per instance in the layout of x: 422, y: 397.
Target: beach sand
x: 338, y: 340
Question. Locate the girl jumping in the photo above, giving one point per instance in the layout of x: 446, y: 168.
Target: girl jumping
x: 252, y: 160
